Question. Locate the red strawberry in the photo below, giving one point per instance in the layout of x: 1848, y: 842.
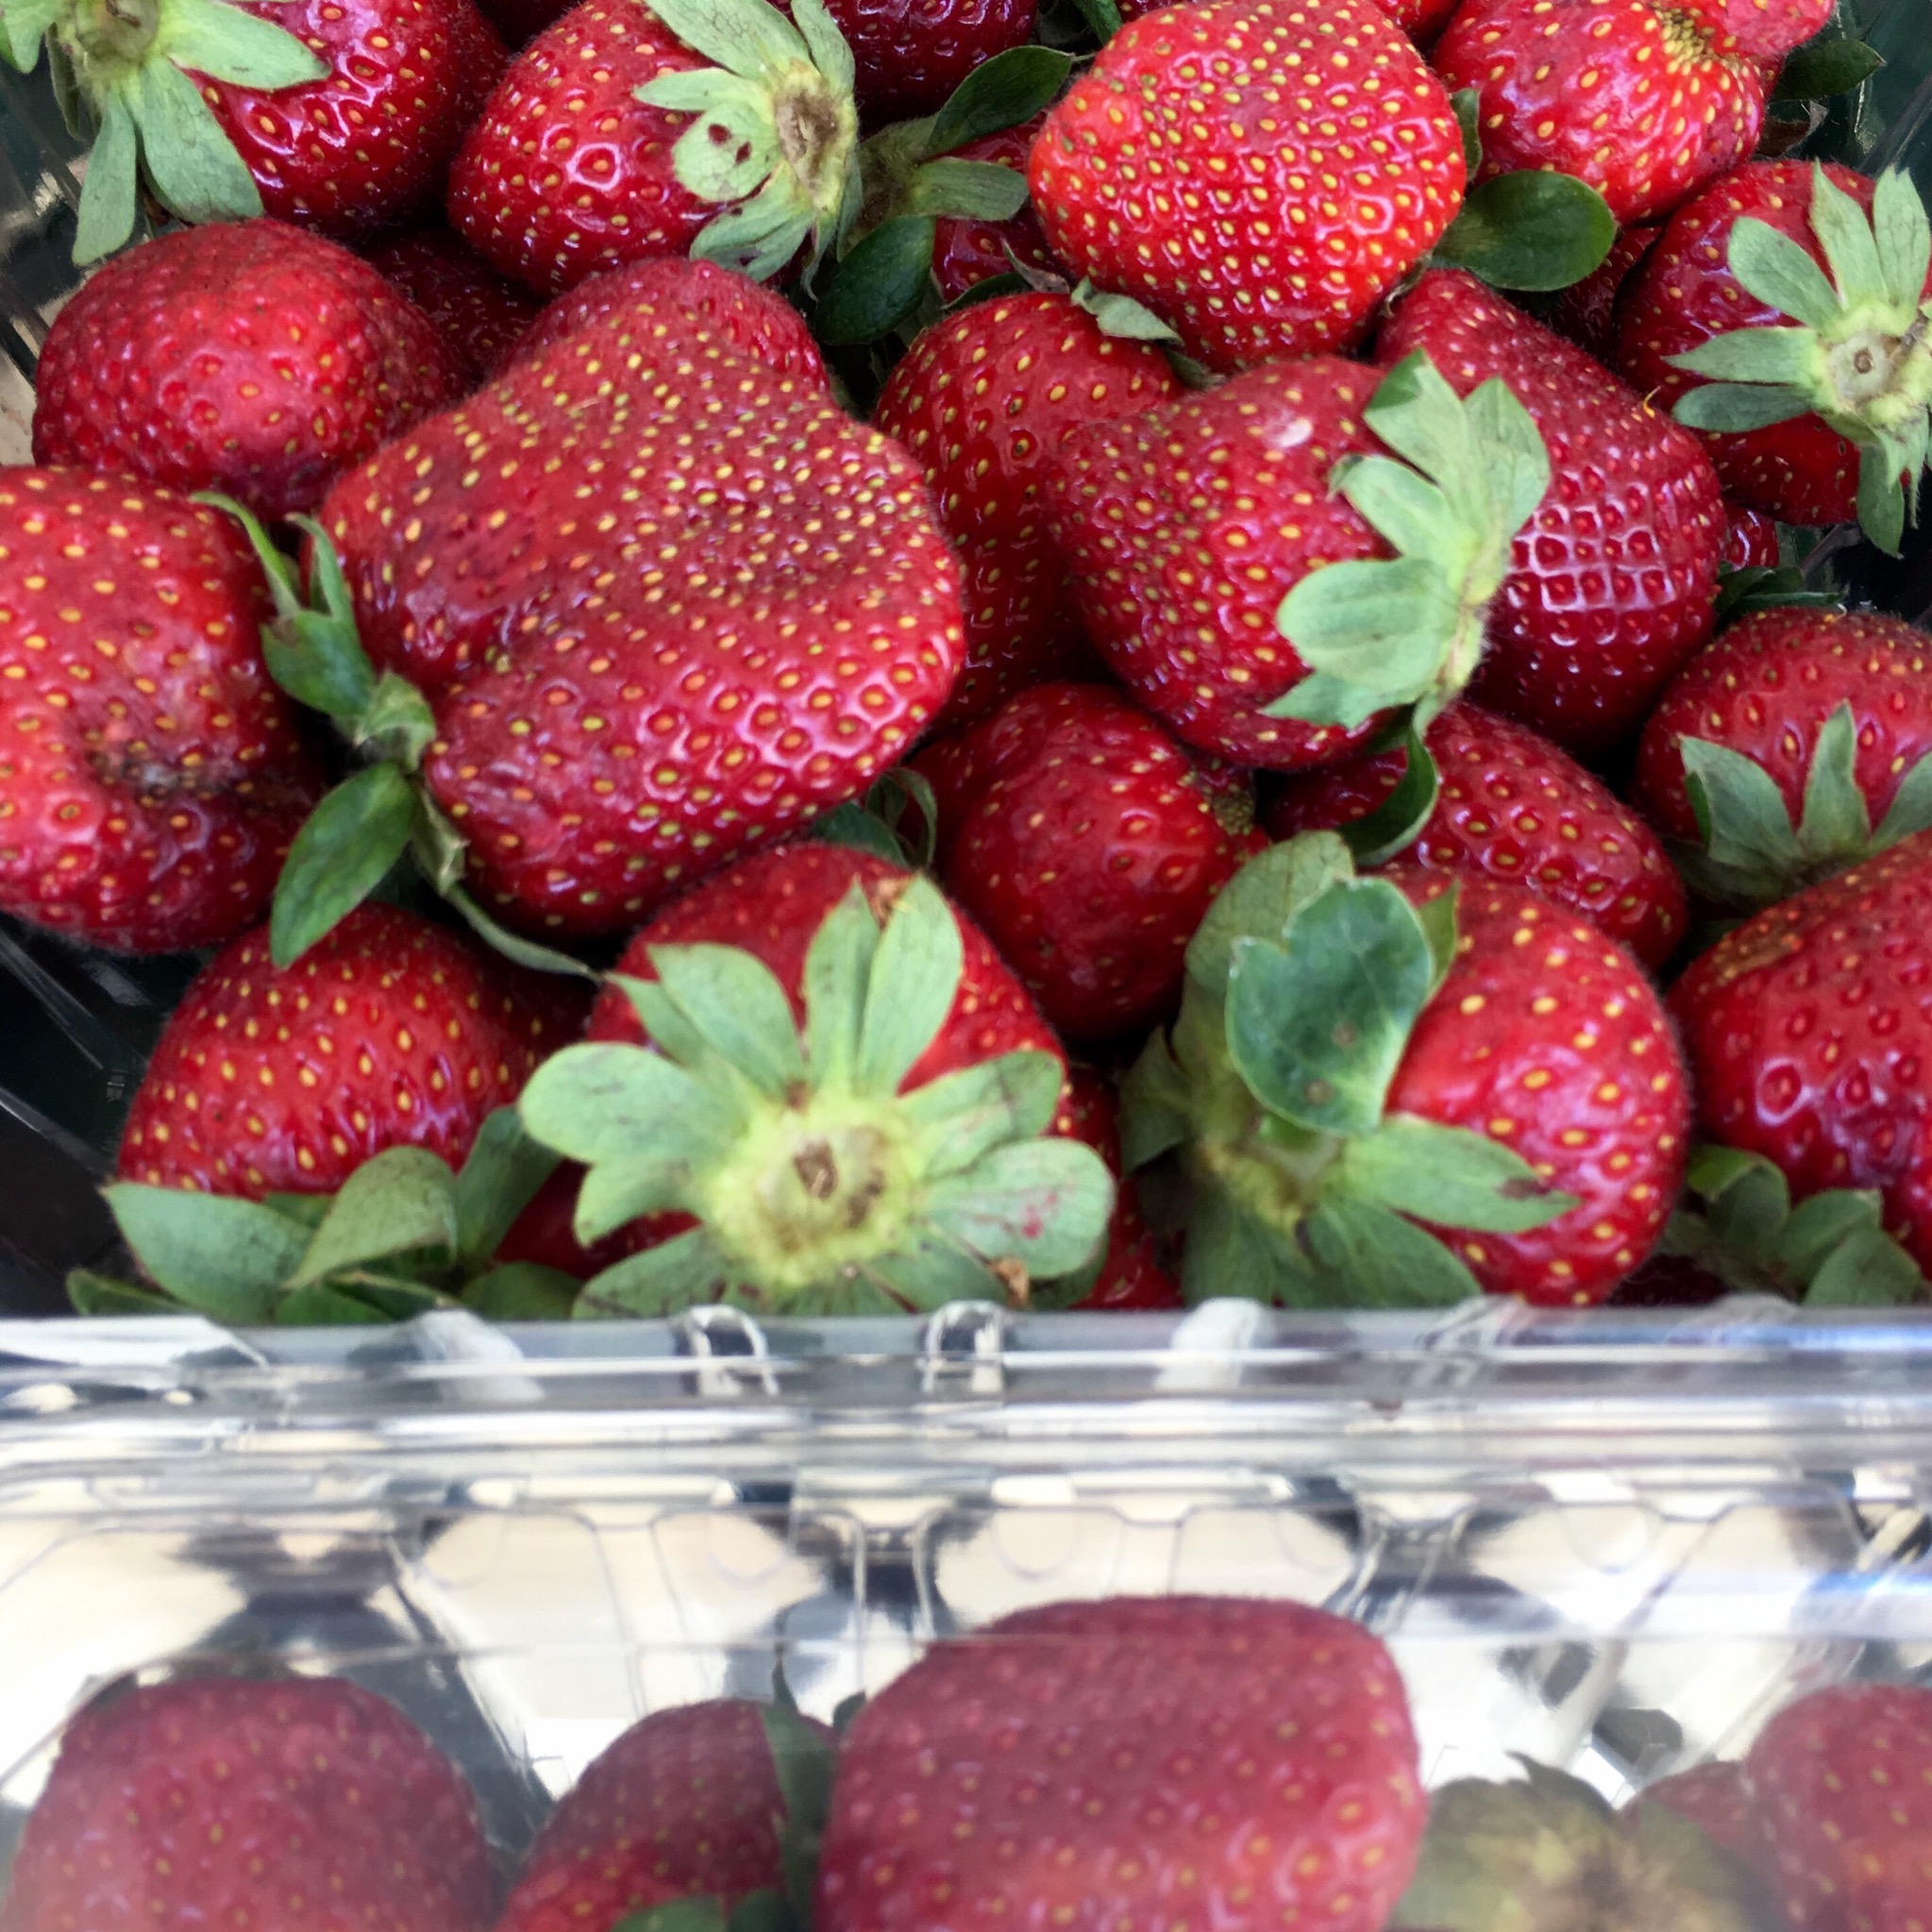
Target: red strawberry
x: 849, y: 1089
x: 390, y: 1033
x: 985, y: 401
x: 1806, y: 1037
x: 1599, y: 89
x: 912, y: 54
x: 1118, y: 1730
x: 1751, y: 540
x: 1129, y: 1274
x: 1421, y: 20
x: 1513, y: 807
x: 577, y: 163
x: 1807, y: 729
x: 1712, y: 1796
x: 1842, y: 1786
x: 1586, y: 310
x: 1847, y: 383
x: 1610, y: 584
x: 250, y: 1801
x: 1503, y: 1077
x: 1763, y: 30
x: 151, y: 777
x: 1071, y: 828
x: 964, y: 252
x: 252, y: 358
x: 687, y: 1803
x: 482, y: 316
x: 1272, y: 265
x: 1219, y: 551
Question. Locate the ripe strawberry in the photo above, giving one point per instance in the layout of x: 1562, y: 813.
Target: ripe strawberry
x: 1511, y: 806
x: 1807, y: 729
x: 390, y: 1033
x: 1421, y: 20
x: 1585, y: 312
x: 1842, y: 1786
x: 581, y: 161
x: 1813, y: 416
x: 482, y: 316
x: 1610, y: 584
x: 967, y: 252
x: 985, y: 401
x: 687, y: 1803
x: 247, y: 358
x: 909, y: 54
x: 1599, y: 89
x: 841, y: 1111
x: 1118, y: 1730
x: 1129, y: 1274
x: 151, y: 777
x: 1750, y: 539
x: 1072, y: 828
x: 1496, y: 1102
x: 1273, y: 266
x: 1804, y: 1035
x: 1712, y: 1796
x: 250, y: 1801
x: 1221, y: 553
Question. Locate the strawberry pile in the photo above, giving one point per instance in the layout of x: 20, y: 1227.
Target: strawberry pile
x: 837, y: 657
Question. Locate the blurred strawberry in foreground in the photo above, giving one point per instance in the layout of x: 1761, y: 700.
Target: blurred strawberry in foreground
x: 985, y: 401
x: 152, y: 776
x: 174, y: 1806
x: 248, y: 357
x: 1712, y: 1796
x: 1507, y: 803
x: 482, y: 315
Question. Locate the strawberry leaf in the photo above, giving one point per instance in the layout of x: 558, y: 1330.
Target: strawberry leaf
x: 1154, y: 1105
x: 1911, y: 809
x: 1825, y: 68
x: 100, y: 1294
x: 513, y: 946
x: 838, y: 968
x: 915, y: 979
x: 1781, y: 274
x: 1468, y: 102
x: 338, y: 857
x: 1374, y: 1258
x: 618, y: 1192
x: 322, y: 1305
x: 109, y: 194
x: 879, y: 284
x: 24, y: 25
x: 1902, y: 235
x: 730, y: 147
x: 737, y: 1006
x: 225, y: 43
x: 745, y: 37
x: 1790, y: 356
x: 223, y: 1257
x: 1835, y: 820
x: 963, y: 1115
x: 606, y: 1101
x: 498, y: 1180
x: 682, y: 1273
x: 1123, y: 316
x: 831, y: 52
x: 1732, y: 409
x: 1534, y: 229
x: 1043, y: 1203
x: 522, y: 1291
x: 1395, y: 824
x: 397, y: 1201
x: 1001, y: 93
x: 1448, y: 1175
x: 191, y: 164
x: 968, y: 190
x: 1261, y: 899
x: 1232, y: 1253
x: 1845, y: 234
x: 1881, y: 499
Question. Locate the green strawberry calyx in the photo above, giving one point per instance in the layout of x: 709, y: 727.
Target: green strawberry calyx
x: 1748, y: 855
x: 403, y: 1235
x: 127, y: 73
x: 813, y: 1184
x: 1265, y: 1105
x: 1858, y: 355
x: 1464, y: 477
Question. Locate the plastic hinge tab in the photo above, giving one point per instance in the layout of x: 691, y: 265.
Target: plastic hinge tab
x: 963, y: 1349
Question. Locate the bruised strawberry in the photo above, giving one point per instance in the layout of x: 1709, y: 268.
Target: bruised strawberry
x: 248, y: 357
x: 482, y: 315
x: 985, y: 401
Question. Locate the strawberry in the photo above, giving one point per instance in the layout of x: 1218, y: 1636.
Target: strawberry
x: 1129, y: 1274
x: 1750, y: 539
x: 966, y: 252
x: 249, y: 1801
x: 1232, y: 550
x: 1586, y: 312
x: 1841, y: 1788
x: 1072, y: 830
x: 984, y: 402
x: 1255, y: 1759
x: 1509, y: 805
x: 1399, y: 1089
x: 1712, y: 1796
x: 390, y: 1032
x: 151, y: 777
x: 1784, y: 313
x: 909, y: 54
x: 611, y: 139
x: 1271, y: 267
x: 1804, y: 1035
x: 248, y: 357
x: 1807, y: 734
x: 1610, y: 584
x: 841, y: 1111
x: 690, y: 1803
x: 482, y: 316
x: 1597, y: 89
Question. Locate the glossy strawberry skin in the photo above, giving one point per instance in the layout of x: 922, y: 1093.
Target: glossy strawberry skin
x: 1841, y: 1788
x: 389, y: 1033
x: 1586, y: 311
x: 205, y: 1801
x: 484, y: 315
x: 246, y: 357
x: 759, y: 624
x: 1548, y: 1037
x: 151, y: 776
x: 1765, y: 687
x: 985, y: 400
x: 1808, y: 1040
x: 564, y: 171
x: 911, y: 54
x: 1750, y: 539
x: 966, y: 253
x: 1712, y: 1796
x: 1513, y: 807
x: 1285, y: 1725
x: 1799, y: 472
x: 1073, y: 830
x: 685, y: 1803
x: 1187, y: 526
x: 1597, y: 89
x: 370, y: 144
x: 1610, y: 584
x: 1129, y: 1275
x: 1130, y: 175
